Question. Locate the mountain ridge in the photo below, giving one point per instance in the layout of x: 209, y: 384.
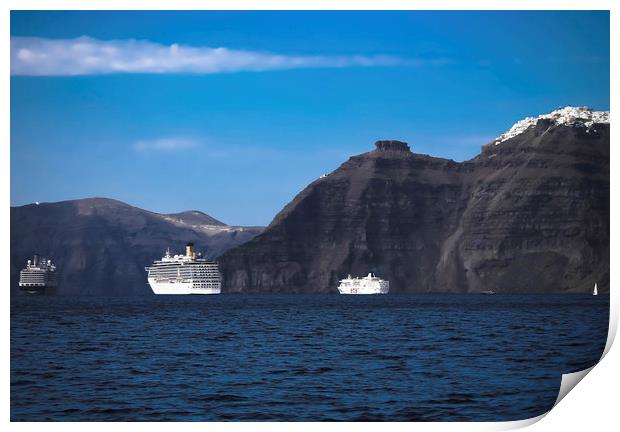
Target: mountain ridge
x: 101, y: 245
x: 537, y: 201
x: 195, y: 217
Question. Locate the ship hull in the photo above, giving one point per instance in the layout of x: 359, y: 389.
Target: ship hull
x: 174, y: 288
x: 35, y: 290
x: 363, y: 291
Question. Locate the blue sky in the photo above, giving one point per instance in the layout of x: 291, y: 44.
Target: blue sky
x: 140, y: 107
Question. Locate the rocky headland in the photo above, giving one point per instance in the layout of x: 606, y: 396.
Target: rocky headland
x: 530, y: 213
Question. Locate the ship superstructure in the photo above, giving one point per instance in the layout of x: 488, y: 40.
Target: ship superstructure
x: 184, y: 274
x: 370, y: 284
x: 38, y: 276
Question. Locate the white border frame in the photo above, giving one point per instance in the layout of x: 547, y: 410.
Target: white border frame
x: 591, y: 407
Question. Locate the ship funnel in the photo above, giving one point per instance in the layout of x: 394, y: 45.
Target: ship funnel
x: 35, y: 259
x: 189, y: 250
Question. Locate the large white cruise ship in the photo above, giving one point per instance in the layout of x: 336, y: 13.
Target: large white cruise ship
x: 370, y: 284
x: 38, y: 277
x: 184, y: 274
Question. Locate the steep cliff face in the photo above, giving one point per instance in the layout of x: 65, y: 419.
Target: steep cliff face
x: 101, y: 246
x: 538, y: 213
x: 380, y: 211
x: 529, y: 214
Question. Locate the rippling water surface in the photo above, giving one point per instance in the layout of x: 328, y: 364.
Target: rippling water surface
x: 299, y: 357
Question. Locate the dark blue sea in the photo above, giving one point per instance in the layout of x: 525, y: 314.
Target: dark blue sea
x: 299, y: 357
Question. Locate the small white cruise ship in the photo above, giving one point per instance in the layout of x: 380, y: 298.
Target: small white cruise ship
x: 184, y: 274
x: 38, y: 276
x: 370, y: 284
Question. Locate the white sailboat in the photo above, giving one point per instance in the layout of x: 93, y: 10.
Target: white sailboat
x: 595, y: 291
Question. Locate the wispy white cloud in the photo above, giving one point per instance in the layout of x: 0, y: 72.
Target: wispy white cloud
x: 165, y: 144
x: 88, y: 56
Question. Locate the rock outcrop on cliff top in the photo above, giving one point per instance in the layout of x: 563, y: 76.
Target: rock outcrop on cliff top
x: 530, y: 213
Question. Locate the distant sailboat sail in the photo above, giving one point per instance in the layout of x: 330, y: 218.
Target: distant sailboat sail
x: 595, y: 292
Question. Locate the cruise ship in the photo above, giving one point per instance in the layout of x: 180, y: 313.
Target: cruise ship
x: 38, y: 277
x: 370, y: 284
x: 184, y: 274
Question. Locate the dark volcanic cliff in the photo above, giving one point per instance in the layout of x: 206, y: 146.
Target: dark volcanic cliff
x: 529, y: 214
x: 101, y: 246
